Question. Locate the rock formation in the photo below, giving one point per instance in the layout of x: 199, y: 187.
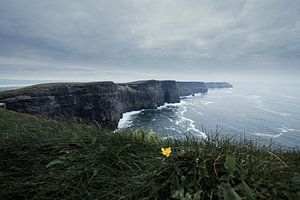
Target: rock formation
x: 190, y: 88
x: 103, y: 102
x: 212, y: 85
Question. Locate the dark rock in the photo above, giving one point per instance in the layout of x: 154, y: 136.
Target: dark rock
x: 212, y: 85
x: 190, y: 88
x: 103, y: 102
x: 146, y: 94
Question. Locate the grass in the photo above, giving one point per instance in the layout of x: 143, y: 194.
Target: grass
x: 19, y: 91
x: 54, y: 159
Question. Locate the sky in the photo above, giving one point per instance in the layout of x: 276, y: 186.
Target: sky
x: 124, y: 40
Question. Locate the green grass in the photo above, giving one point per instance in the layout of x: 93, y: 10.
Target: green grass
x: 53, y: 159
x: 19, y: 91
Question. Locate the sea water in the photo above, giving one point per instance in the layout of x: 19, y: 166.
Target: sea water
x: 263, y: 112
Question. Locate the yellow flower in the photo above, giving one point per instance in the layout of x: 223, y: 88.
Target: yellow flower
x: 166, y: 151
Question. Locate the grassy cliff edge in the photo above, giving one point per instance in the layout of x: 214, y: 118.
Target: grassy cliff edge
x: 55, y: 159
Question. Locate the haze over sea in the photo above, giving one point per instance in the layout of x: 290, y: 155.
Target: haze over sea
x: 258, y: 111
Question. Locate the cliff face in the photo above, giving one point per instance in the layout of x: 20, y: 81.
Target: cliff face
x: 103, y: 102
x: 189, y: 88
x: 146, y: 94
x: 91, y: 101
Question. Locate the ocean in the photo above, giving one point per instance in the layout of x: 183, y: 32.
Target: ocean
x: 268, y: 113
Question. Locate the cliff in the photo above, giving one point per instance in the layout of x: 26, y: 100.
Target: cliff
x: 88, y: 101
x: 212, y: 85
x: 146, y: 94
x: 103, y: 102
x: 190, y: 88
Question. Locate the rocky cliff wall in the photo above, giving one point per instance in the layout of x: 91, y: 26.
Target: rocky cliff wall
x: 103, y: 102
x: 190, y: 88
x: 146, y: 95
x: 90, y: 101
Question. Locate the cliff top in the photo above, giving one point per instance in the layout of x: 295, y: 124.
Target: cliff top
x: 120, y: 86
x: 71, y: 84
x: 53, y: 85
x: 148, y: 81
x: 218, y: 85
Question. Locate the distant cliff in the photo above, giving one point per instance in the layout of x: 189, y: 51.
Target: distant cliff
x: 212, y: 85
x: 190, y: 88
x: 146, y: 94
x: 103, y: 102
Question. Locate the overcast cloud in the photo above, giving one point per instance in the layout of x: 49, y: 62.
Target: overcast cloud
x: 124, y: 40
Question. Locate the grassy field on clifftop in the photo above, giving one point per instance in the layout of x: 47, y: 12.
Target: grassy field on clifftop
x: 53, y: 159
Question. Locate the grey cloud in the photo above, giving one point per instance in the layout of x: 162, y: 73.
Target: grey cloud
x: 149, y: 35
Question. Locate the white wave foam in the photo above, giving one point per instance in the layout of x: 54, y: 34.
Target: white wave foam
x: 285, y: 129
x: 196, y: 111
x: 288, y: 96
x: 172, y: 129
x: 263, y: 108
x: 199, y: 94
x: 282, y: 131
x: 290, y: 129
x: 166, y: 105
x: 125, y: 121
x: 192, y: 95
x: 207, y: 102
x: 202, y: 102
x: 274, y: 112
x: 196, y: 105
x: 268, y: 135
x: 190, y: 123
x: 171, y: 120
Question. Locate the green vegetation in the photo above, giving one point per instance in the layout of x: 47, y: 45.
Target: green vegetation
x: 52, y: 159
x: 19, y: 91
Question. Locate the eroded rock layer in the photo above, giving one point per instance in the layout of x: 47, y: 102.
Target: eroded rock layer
x: 103, y: 102
x: 190, y: 88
